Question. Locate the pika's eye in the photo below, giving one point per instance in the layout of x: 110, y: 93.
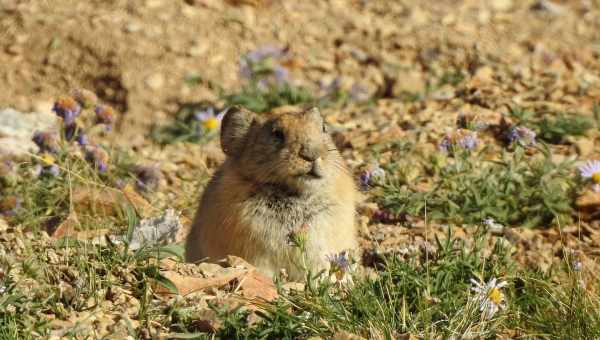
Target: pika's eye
x: 278, y: 135
x: 325, y: 129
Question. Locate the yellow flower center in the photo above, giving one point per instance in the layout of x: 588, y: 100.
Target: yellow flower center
x: 496, y: 296
x: 596, y: 177
x: 48, y: 159
x: 211, y: 123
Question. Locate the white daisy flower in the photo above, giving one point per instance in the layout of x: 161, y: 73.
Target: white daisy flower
x: 489, y: 296
x: 591, y: 169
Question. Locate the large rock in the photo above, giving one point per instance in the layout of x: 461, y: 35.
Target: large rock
x: 17, y: 128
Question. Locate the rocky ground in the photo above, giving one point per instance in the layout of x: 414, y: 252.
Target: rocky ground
x: 408, y: 70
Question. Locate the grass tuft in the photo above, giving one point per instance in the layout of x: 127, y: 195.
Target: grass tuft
x: 517, y: 189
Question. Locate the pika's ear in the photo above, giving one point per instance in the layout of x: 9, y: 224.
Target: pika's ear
x: 234, y: 127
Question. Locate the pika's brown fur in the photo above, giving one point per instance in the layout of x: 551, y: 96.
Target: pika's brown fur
x: 282, y: 174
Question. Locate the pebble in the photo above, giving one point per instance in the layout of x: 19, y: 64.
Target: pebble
x: 17, y: 128
x: 502, y: 5
x: 133, y: 27
x: 584, y: 147
x: 155, y: 81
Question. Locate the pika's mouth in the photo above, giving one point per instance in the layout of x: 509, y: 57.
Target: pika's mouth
x: 309, y: 175
x: 315, y: 172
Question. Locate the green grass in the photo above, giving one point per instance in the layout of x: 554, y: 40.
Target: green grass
x: 184, y: 128
x: 73, y: 276
x: 256, y: 99
x: 553, y: 128
x: 423, y: 293
x: 516, y: 190
x: 46, y: 200
x: 428, y: 296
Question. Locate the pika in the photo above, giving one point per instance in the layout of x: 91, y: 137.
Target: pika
x: 282, y: 175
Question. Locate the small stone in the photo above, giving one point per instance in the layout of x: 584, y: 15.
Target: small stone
x: 409, y: 82
x: 502, y: 5
x: 445, y: 92
x: 584, y: 147
x: 484, y: 74
x: 15, y: 50
x: 209, y: 269
x: 419, y: 16
x: 3, y: 225
x: 197, y: 50
x: 133, y: 27
x: 155, y: 81
x: 588, y: 199
x: 154, y: 3
x: 17, y: 129
x: 158, y: 230
x: 42, y: 106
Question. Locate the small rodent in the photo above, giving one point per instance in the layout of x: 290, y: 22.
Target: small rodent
x: 282, y: 173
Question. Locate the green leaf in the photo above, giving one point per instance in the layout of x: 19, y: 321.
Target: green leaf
x: 166, y: 283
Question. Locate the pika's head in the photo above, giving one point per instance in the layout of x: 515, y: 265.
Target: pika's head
x: 287, y: 149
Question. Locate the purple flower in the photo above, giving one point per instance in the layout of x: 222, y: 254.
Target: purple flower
x: 67, y: 108
x: 97, y: 157
x: 250, y: 61
x: 365, y: 178
x: 522, y: 135
x: 461, y: 138
x: 281, y: 74
x: 71, y: 131
x: 340, y: 260
x: 445, y: 145
x: 105, y: 115
x: 51, y: 170
x: 46, y: 141
x: 82, y: 139
x: 469, y: 142
x: 375, y: 175
x: 339, y: 264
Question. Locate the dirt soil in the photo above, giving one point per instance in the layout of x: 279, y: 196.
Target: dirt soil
x: 136, y: 54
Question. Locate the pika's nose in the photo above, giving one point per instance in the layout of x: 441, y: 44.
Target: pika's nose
x: 309, y: 154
